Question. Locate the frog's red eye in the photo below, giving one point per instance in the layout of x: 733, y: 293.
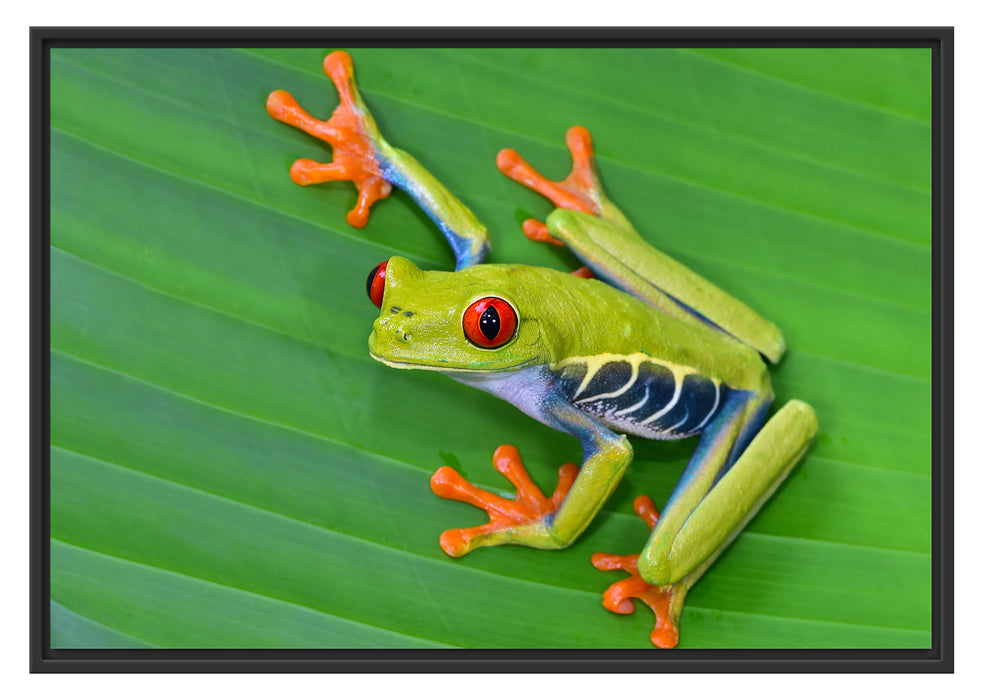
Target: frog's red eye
x: 490, y: 322
x: 375, y: 285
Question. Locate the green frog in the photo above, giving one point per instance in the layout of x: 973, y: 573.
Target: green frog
x: 634, y: 343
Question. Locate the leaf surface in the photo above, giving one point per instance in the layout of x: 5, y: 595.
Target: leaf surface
x: 230, y: 469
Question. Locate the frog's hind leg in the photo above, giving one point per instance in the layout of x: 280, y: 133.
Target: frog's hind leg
x: 698, y: 522
x: 580, y: 191
x: 598, y: 233
x: 665, y: 601
x: 720, y: 491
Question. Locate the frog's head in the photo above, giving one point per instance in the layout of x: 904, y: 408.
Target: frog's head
x: 471, y: 320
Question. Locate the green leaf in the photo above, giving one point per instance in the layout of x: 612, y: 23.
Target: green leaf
x: 230, y: 469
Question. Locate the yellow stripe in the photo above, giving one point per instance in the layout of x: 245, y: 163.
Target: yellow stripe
x: 595, y: 362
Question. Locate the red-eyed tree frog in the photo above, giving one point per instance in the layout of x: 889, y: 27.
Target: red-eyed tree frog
x: 633, y: 343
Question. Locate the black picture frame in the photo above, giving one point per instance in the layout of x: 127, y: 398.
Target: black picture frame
x: 937, y: 659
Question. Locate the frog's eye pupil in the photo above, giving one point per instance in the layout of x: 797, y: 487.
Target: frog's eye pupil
x: 490, y: 322
x: 375, y: 285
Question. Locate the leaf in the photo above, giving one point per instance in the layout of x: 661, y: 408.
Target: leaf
x: 230, y: 469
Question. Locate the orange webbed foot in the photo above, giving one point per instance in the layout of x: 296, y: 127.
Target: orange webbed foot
x: 580, y: 191
x: 665, y: 601
x: 350, y: 132
x: 506, y: 517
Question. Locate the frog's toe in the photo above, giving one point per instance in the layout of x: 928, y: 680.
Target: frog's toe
x: 665, y: 601
x: 536, y: 230
x: 521, y: 520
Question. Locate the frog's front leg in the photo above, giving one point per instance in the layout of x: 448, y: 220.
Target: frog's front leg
x: 362, y: 155
x: 508, y: 519
x: 532, y: 519
x: 733, y: 472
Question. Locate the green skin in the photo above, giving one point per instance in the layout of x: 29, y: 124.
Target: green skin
x: 561, y: 325
x: 574, y: 321
x: 648, y: 306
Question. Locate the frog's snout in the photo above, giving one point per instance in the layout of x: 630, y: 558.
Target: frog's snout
x: 394, y: 324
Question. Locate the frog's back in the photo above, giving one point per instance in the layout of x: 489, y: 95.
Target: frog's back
x: 630, y: 366
x: 640, y: 395
x: 582, y: 318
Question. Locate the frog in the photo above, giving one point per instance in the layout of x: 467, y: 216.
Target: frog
x: 632, y: 343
